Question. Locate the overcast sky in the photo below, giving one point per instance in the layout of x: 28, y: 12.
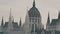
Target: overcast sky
x: 19, y: 9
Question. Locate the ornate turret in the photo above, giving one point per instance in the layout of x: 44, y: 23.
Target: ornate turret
x: 10, y: 25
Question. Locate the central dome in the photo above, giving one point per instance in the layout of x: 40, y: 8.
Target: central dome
x: 33, y: 12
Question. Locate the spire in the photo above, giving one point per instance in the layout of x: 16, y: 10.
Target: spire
x: 10, y: 13
x: 10, y: 25
x: 59, y: 15
x: 10, y: 16
x: 2, y: 23
x: 33, y: 3
x: 48, y: 20
x: 20, y: 22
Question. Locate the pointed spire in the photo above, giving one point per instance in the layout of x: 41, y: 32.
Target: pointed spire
x: 20, y: 22
x: 10, y: 25
x: 48, y: 20
x: 10, y: 16
x: 10, y: 12
x: 2, y: 23
x: 59, y: 15
x: 33, y: 3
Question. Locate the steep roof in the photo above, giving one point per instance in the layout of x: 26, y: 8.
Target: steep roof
x: 54, y: 21
x: 6, y: 24
x: 15, y: 25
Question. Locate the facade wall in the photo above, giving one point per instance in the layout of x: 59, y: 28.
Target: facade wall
x: 15, y: 32
x: 58, y: 26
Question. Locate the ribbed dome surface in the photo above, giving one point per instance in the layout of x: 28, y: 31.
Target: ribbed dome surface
x: 33, y: 12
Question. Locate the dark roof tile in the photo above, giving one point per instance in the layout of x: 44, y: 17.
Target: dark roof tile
x: 54, y: 21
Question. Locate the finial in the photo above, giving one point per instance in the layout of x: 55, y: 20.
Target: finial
x: 10, y: 11
x: 33, y: 3
x: 48, y: 14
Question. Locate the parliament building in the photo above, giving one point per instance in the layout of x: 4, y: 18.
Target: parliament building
x: 32, y: 25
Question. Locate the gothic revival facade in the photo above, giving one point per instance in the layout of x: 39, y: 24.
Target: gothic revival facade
x: 11, y: 27
x: 54, y: 25
x: 32, y: 25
